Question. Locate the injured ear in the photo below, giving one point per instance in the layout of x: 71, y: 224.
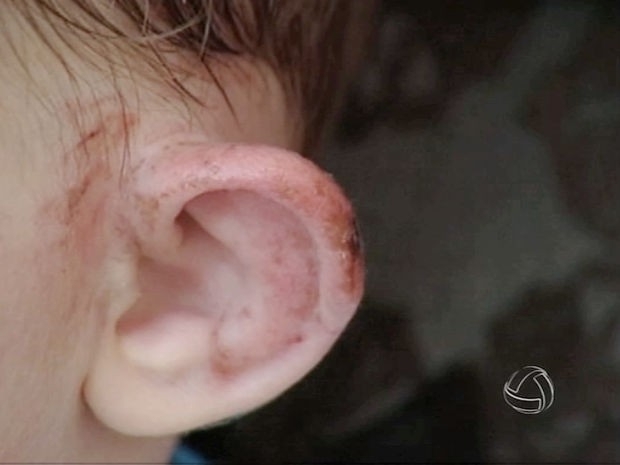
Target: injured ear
x: 247, y: 268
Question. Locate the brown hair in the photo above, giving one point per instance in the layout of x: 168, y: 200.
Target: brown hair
x: 312, y: 45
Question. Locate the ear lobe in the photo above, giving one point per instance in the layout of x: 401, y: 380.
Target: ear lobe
x: 248, y: 268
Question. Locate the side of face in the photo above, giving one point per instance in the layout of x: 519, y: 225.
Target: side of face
x: 165, y: 265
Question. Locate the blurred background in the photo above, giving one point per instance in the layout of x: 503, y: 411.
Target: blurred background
x: 480, y: 144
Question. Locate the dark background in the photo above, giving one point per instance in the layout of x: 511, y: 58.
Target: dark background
x: 480, y: 146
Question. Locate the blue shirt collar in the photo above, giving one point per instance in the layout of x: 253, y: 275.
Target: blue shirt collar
x: 184, y: 455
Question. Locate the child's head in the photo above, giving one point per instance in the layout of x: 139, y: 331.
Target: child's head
x: 168, y: 261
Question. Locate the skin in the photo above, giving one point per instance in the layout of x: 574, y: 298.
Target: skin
x: 63, y: 215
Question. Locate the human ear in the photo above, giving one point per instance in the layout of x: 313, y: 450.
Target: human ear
x: 246, y: 266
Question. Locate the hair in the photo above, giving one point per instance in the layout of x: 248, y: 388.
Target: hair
x: 312, y: 45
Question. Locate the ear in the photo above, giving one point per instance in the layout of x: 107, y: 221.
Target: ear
x: 247, y: 267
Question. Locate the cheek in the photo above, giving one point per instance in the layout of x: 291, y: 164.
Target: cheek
x: 50, y: 254
x: 44, y: 298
